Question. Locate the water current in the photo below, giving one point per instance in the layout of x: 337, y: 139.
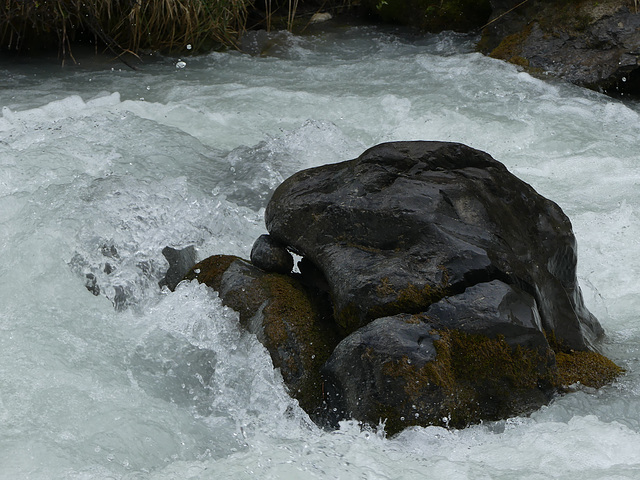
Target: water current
x: 102, y: 166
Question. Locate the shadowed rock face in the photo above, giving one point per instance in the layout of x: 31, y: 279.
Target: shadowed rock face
x: 180, y: 262
x: 409, y: 223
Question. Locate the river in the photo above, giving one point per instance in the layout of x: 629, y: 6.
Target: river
x: 102, y: 166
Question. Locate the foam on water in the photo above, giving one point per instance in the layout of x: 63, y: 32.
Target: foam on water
x: 100, y: 168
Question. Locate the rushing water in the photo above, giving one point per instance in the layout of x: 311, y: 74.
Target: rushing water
x: 102, y: 166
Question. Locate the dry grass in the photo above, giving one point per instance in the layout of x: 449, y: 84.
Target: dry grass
x: 122, y: 25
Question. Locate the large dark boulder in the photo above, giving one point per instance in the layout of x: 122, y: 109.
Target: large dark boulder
x: 435, y: 288
x: 409, y: 223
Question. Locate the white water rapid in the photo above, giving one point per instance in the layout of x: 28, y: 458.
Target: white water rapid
x: 101, y: 167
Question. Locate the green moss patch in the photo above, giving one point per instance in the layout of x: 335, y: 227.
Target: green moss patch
x: 295, y: 324
x: 591, y: 369
x: 411, y: 299
x: 510, y: 48
x: 472, y: 378
x: 587, y: 368
x: 487, y: 361
x: 298, y: 325
x: 488, y: 378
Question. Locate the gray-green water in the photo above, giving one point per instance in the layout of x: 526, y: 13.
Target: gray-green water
x: 101, y: 167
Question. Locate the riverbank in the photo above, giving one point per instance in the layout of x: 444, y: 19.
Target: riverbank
x: 165, y: 26
x: 594, y: 45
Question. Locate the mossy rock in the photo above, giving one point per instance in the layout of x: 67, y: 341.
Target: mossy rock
x: 293, y: 322
x: 403, y: 371
x: 475, y: 356
x: 587, y: 43
x: 411, y: 299
x: 433, y: 15
x: 591, y: 369
x: 435, y: 289
x: 510, y: 48
x: 582, y: 368
x: 487, y: 379
x: 478, y: 355
x: 209, y: 271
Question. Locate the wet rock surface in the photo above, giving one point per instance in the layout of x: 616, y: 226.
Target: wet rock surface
x: 180, y: 262
x: 293, y: 322
x: 435, y: 288
x: 409, y: 223
x: 591, y: 44
x: 478, y: 355
x: 270, y: 256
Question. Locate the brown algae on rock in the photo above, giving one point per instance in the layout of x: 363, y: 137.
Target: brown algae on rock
x: 292, y: 322
x: 590, y: 369
x: 478, y: 378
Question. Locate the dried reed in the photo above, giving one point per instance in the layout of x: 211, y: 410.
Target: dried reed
x: 122, y: 25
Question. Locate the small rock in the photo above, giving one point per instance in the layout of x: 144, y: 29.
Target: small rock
x: 91, y: 282
x: 271, y: 256
x: 409, y: 223
x: 320, y: 17
x: 180, y: 262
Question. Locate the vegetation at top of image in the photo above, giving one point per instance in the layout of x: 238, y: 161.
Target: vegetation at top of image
x: 198, y: 26
x: 122, y: 26
x: 136, y: 26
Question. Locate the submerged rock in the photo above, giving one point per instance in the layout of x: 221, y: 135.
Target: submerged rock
x: 180, y: 262
x: 116, y: 272
x: 435, y: 289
